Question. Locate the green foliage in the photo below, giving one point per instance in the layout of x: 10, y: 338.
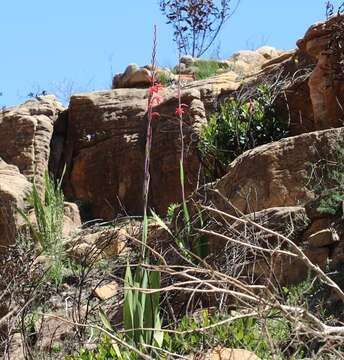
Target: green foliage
x: 240, y: 126
x: 49, y: 213
x: 187, y: 338
x: 170, y: 211
x: 141, y: 310
x: 326, y: 179
x: 164, y: 78
x: 207, y: 68
x: 242, y: 333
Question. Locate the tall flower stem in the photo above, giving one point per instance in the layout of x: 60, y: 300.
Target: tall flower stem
x: 152, y: 99
x: 180, y: 113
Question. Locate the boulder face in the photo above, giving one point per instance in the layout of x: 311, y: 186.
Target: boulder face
x: 105, y: 150
x: 26, y: 131
x: 275, y: 174
x: 325, y: 82
x: 13, y: 189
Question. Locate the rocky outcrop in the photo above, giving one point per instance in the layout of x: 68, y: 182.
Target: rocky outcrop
x: 325, y: 83
x: 140, y: 77
x: 275, y: 174
x: 13, y: 189
x: 26, y: 131
x: 105, y: 150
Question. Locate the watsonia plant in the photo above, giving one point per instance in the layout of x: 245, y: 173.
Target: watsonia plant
x: 141, y: 309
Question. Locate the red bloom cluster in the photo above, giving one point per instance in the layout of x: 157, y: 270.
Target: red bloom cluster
x: 180, y: 109
x: 154, y: 98
x: 154, y: 89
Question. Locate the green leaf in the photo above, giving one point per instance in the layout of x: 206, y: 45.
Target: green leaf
x: 160, y: 222
x: 105, y: 320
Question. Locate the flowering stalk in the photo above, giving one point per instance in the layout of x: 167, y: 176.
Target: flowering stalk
x: 153, y: 99
x: 179, y: 112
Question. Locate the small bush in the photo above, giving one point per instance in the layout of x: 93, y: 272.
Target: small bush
x: 326, y: 179
x: 207, y: 68
x: 49, y: 213
x: 240, y: 126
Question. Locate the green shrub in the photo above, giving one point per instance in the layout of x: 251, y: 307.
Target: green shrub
x: 49, y: 213
x: 326, y: 179
x: 186, y: 339
x: 240, y: 126
x: 207, y: 68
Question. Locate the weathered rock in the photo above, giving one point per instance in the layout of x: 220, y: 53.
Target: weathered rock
x: 14, y: 187
x: 138, y: 77
x: 109, y: 242
x: 269, y: 52
x: 275, y: 174
x: 317, y: 225
x: 106, y: 149
x: 53, y: 331
x: 338, y: 253
x: 287, y: 270
x: 287, y: 221
x: 26, y: 131
x: 16, y: 348
x: 107, y: 291
x: 326, y: 87
x: 323, y: 238
x: 230, y: 354
x: 72, y: 219
x: 246, y: 62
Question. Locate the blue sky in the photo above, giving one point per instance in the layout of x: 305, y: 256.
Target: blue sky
x: 50, y: 44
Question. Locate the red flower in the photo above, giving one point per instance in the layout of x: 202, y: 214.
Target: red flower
x: 155, y: 114
x: 180, y: 109
x: 157, y: 99
x: 154, y: 89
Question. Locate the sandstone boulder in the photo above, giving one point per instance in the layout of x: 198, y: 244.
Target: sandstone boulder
x: 14, y: 187
x: 284, y: 270
x: 102, y: 243
x: 290, y: 221
x: 275, y: 174
x: 26, y: 131
x: 105, y: 150
x: 139, y: 77
x: 230, y: 354
x: 107, y: 291
x: 325, y: 83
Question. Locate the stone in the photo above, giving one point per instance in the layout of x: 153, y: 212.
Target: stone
x: 286, y: 270
x: 323, y: 238
x: 338, y: 253
x: 230, y: 354
x: 16, y: 348
x: 249, y: 62
x: 326, y: 89
x: 106, y: 243
x: 26, y: 131
x: 14, y: 188
x: 106, y: 127
x: 288, y: 221
x: 53, y: 331
x: 275, y: 174
x: 317, y: 225
x: 107, y: 291
x: 269, y: 52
